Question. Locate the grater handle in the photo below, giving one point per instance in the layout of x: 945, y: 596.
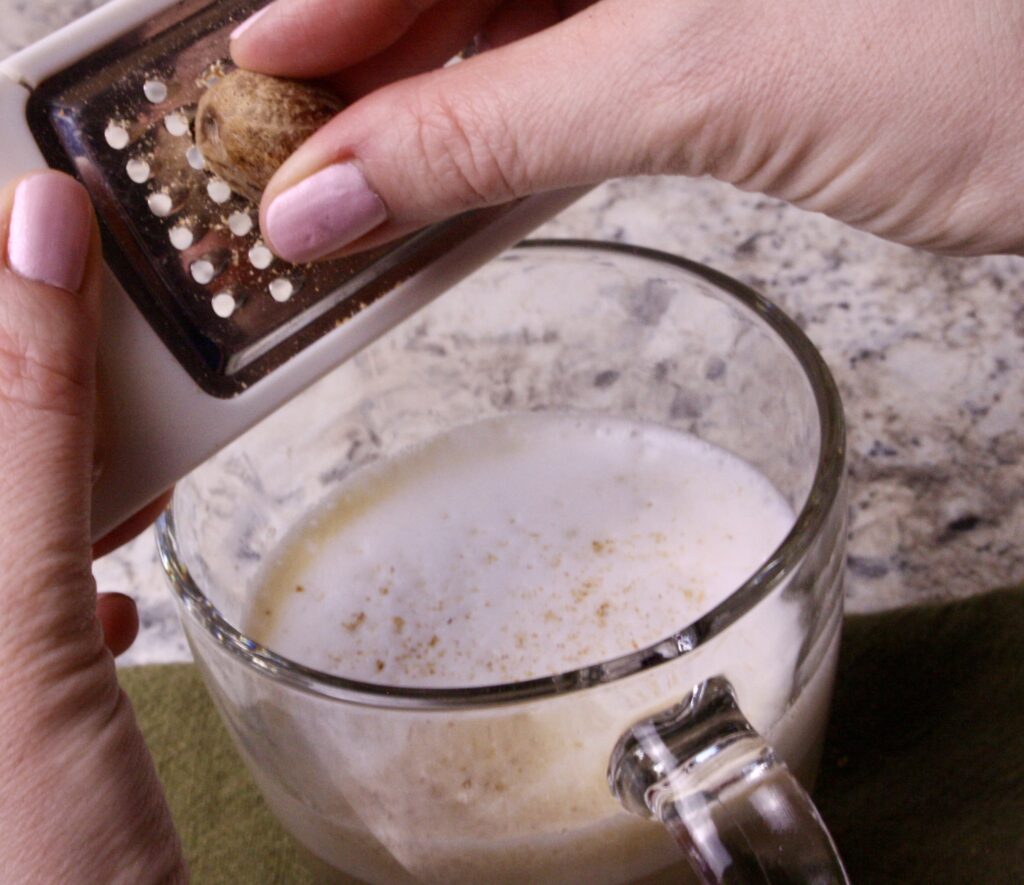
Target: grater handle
x: 161, y: 424
x: 158, y: 423
x: 61, y: 49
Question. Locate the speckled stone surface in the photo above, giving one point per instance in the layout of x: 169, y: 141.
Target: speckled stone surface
x: 928, y: 353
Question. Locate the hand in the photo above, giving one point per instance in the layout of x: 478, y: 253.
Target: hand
x: 79, y: 797
x: 904, y: 119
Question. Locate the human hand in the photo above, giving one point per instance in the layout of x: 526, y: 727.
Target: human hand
x: 903, y: 119
x: 79, y: 797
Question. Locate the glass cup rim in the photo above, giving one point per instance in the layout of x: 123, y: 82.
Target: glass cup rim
x: 824, y: 490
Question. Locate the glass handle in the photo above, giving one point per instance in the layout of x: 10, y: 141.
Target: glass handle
x: 735, y: 809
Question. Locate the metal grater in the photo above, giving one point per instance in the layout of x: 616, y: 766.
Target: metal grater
x: 205, y: 331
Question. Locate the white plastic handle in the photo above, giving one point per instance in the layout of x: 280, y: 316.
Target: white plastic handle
x: 160, y: 423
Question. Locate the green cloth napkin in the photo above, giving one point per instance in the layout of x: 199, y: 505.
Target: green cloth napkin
x: 922, y: 779
x: 923, y: 775
x: 229, y: 836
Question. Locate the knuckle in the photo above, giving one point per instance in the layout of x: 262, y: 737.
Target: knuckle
x: 465, y: 157
x: 703, y: 79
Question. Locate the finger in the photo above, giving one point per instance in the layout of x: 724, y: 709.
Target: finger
x: 448, y: 29
x: 314, y: 38
x: 438, y: 35
x: 132, y: 527
x: 50, y: 267
x: 119, y: 619
x: 566, y: 106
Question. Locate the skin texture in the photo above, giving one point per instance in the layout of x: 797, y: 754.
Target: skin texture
x: 903, y: 119
x: 79, y: 797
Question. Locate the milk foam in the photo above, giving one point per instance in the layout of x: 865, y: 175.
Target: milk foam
x: 514, y: 548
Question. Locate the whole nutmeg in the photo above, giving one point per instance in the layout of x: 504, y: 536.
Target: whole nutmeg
x: 248, y: 124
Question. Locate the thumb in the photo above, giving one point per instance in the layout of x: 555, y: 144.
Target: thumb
x: 565, y: 106
x: 49, y: 303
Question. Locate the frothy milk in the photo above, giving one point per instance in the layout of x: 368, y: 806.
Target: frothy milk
x: 517, y: 548
x: 505, y: 550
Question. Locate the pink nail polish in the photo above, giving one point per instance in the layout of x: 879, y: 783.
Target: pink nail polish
x: 248, y: 23
x: 320, y: 215
x: 51, y: 225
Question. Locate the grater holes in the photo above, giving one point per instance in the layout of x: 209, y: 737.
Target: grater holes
x: 160, y: 204
x: 182, y: 237
x: 218, y: 190
x: 240, y: 223
x: 260, y: 256
x: 138, y: 170
x: 211, y: 230
x: 203, y: 271
x: 166, y: 200
x: 177, y: 124
x: 282, y: 289
x: 194, y: 157
x: 211, y: 263
x: 155, y: 91
x: 116, y: 135
x: 223, y: 304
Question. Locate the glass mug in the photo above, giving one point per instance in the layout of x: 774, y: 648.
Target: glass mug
x: 601, y: 774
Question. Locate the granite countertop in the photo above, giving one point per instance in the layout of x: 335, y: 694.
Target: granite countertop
x: 928, y: 353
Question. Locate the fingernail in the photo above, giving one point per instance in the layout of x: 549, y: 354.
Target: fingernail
x: 248, y: 23
x: 322, y: 214
x: 51, y: 226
